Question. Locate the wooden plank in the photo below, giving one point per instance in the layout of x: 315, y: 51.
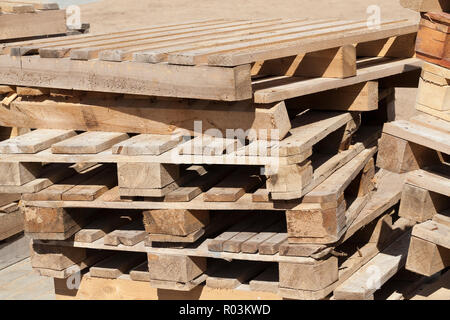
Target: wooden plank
x: 431, y: 122
x: 53, y: 191
x: 216, y: 244
x: 272, y: 245
x: 397, y: 47
x: 115, y: 266
x: 152, y: 144
x: 16, y: 8
x: 165, y: 238
x: 226, y: 84
x: 34, y: 141
x: 253, y: 244
x: 100, y: 228
x: 281, y: 88
x: 146, y: 116
x: 230, y: 275
x: 332, y: 188
x: 140, y: 273
x: 358, y: 97
x: 423, y: 136
x: 195, y: 187
x: 233, y: 187
x: 127, y: 235
x: 14, y: 250
x: 208, y: 145
x: 280, y: 45
x: 444, y: 115
x: 235, y: 243
x: 363, y: 283
x: 434, y: 181
x: 267, y: 281
x: 330, y: 63
x: 89, y: 142
x: 91, y: 188
x: 434, y: 232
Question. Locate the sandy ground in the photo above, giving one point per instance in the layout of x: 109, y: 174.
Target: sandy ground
x: 110, y: 15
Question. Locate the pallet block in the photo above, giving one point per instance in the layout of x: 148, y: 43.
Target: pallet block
x: 175, y: 268
x: 54, y: 224
x: 433, y: 38
x: 434, y: 88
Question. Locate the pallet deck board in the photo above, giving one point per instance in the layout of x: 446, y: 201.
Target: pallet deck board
x: 211, y: 60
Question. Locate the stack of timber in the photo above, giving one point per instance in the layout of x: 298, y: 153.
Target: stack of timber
x: 420, y: 148
x: 131, y: 173
x: 31, y: 19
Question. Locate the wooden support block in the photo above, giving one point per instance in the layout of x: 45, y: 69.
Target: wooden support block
x: 234, y: 186
x: 127, y: 235
x: 427, y: 258
x: 311, y: 277
x: 420, y: 205
x: 56, y: 257
x: 434, y: 91
x: 358, y: 97
x: 89, y: 143
x: 116, y: 265
x: 399, y: 155
x: 11, y: 223
x: 175, y: 222
x: 426, y: 5
x: 146, y: 175
x: 395, y: 47
x: 147, y: 144
x: 330, y: 63
x: 101, y: 227
x: 7, y: 198
x: 54, y: 224
x: 316, y: 223
x: 35, y: 141
x: 18, y: 173
x: 288, y: 178
x: 175, y: 268
x: 433, y: 38
x: 230, y: 275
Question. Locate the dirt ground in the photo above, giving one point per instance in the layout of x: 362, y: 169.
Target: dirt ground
x: 114, y: 15
x: 111, y: 15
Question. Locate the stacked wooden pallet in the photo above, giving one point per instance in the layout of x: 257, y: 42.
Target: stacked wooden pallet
x: 421, y: 148
x: 290, y: 203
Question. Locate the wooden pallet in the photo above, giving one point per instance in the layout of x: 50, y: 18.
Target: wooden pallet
x: 211, y: 59
x: 188, y: 268
x: 433, y: 38
x: 29, y: 19
x: 410, y: 145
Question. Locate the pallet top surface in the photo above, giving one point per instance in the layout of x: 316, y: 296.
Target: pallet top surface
x: 214, y: 42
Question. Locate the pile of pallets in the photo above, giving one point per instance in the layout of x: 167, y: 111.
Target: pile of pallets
x: 211, y: 154
x: 420, y: 147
